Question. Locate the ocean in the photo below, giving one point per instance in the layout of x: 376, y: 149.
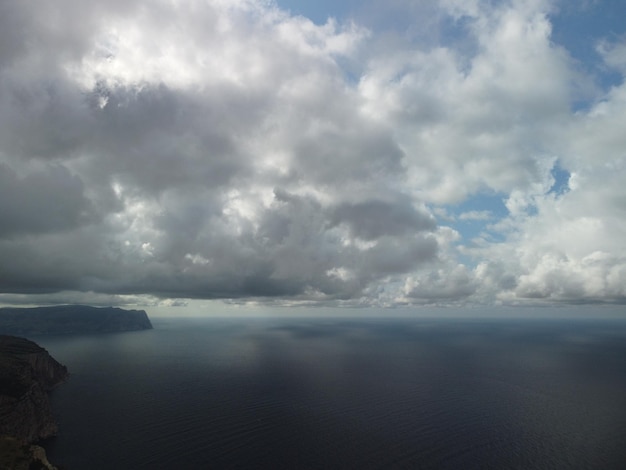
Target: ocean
x: 343, y: 394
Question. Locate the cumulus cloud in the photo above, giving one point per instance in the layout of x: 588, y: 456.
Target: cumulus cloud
x: 230, y: 150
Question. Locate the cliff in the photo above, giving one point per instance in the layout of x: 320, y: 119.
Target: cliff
x: 64, y: 319
x: 27, y: 374
x: 17, y: 454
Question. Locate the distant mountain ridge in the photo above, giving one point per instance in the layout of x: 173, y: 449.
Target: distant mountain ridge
x: 64, y: 319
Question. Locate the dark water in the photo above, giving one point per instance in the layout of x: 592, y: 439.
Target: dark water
x: 297, y: 394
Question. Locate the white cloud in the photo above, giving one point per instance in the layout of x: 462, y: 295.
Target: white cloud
x: 614, y: 54
x: 476, y: 215
x: 229, y: 150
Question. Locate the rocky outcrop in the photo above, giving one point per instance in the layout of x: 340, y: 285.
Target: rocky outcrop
x: 17, y: 454
x: 27, y: 374
x: 62, y: 319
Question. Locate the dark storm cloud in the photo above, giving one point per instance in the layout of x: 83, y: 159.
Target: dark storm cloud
x: 399, y: 255
x: 42, y: 119
x: 51, y: 262
x: 330, y: 156
x: 49, y: 199
x: 372, y: 219
x: 156, y: 138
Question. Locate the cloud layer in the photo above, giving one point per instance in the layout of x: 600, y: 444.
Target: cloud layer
x: 229, y: 149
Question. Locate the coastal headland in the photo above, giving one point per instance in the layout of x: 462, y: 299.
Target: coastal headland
x: 67, y: 319
x: 28, y: 373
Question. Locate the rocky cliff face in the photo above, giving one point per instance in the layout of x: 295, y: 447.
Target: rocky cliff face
x: 62, y: 319
x: 27, y: 373
x: 17, y: 454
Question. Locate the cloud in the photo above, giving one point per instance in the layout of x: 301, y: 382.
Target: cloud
x: 445, y: 286
x: 372, y: 219
x: 230, y: 150
x: 45, y: 200
x: 476, y: 215
x: 613, y: 53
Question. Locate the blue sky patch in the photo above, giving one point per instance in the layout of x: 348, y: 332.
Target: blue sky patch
x: 561, y: 180
x: 320, y: 10
x: 474, y: 216
x: 580, y: 26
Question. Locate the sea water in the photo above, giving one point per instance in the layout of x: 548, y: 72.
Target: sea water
x: 343, y: 393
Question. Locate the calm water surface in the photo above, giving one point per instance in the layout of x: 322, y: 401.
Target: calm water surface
x: 299, y: 393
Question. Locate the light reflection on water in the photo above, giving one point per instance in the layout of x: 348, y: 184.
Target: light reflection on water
x: 335, y: 393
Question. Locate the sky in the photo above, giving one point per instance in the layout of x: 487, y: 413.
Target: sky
x: 359, y: 154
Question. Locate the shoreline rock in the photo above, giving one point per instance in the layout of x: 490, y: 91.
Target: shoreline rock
x: 17, y: 454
